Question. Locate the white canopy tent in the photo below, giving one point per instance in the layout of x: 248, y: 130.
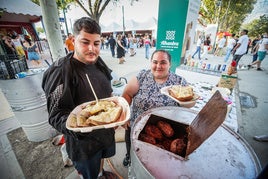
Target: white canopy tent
x: 131, y: 25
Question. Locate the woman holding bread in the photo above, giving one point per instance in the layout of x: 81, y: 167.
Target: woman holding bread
x: 143, y: 91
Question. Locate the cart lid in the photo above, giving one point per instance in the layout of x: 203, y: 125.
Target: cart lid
x: 206, y: 122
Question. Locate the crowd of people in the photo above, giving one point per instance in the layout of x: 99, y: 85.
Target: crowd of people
x: 119, y: 45
x: 235, y: 46
x: 18, y: 46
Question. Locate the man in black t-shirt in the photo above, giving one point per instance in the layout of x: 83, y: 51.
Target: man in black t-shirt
x: 66, y: 86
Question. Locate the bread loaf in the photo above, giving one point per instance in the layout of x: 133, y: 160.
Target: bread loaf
x: 101, y: 113
x: 181, y: 93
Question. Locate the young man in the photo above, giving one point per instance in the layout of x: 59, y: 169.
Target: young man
x: 241, y: 46
x: 66, y: 86
x: 112, y: 43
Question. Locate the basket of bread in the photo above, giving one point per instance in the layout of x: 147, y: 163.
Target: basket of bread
x: 104, y: 113
x: 184, y: 95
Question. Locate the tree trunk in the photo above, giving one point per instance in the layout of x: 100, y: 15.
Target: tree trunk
x: 52, y: 28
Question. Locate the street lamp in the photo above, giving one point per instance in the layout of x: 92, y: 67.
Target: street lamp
x: 124, y: 28
x: 64, y: 15
x: 218, y: 4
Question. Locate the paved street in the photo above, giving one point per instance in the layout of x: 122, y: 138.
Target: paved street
x: 251, y: 102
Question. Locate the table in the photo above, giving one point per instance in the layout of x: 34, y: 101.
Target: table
x: 203, y: 89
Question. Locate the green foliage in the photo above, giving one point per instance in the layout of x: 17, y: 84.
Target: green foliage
x: 229, y: 14
x: 40, y: 30
x: 96, y: 7
x: 62, y: 4
x: 257, y: 26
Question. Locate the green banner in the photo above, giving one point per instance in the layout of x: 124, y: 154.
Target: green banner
x: 171, y: 29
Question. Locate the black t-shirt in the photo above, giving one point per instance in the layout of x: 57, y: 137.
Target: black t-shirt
x: 112, y: 42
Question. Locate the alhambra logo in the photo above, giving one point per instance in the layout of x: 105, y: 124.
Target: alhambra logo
x: 170, y: 35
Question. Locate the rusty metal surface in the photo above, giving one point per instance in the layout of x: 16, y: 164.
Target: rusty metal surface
x: 223, y: 155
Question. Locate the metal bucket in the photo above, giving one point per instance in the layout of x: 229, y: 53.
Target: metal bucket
x: 27, y: 99
x: 225, y: 154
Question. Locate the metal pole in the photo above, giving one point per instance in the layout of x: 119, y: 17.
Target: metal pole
x: 218, y: 17
x: 123, y: 20
x: 64, y: 15
x: 71, y: 24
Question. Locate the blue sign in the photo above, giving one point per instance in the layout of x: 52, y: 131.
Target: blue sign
x: 61, y: 19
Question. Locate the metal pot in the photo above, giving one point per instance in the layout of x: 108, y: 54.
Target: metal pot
x: 225, y: 154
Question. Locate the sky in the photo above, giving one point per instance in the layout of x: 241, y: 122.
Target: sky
x: 140, y: 11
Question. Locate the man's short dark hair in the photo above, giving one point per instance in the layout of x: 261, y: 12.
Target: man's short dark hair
x: 86, y: 24
x: 246, y: 31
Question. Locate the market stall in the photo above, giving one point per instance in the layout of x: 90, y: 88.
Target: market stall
x: 16, y: 18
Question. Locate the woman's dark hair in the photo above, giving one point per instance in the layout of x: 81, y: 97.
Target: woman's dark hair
x: 86, y: 24
x: 164, y: 51
x: 27, y: 39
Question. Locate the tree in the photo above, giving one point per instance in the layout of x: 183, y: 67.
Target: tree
x: 229, y: 14
x: 61, y: 4
x: 95, y: 7
x: 257, y: 26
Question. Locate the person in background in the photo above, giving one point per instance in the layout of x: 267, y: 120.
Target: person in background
x: 143, y: 91
x: 131, y: 45
x: 147, y: 44
x: 198, y: 48
x: 69, y: 43
x: 220, y: 47
x: 18, y: 45
x: 230, y: 45
x: 32, y: 51
x: 206, y: 47
x: 241, y: 46
x: 112, y: 44
x: 262, y: 50
x: 249, y: 42
x: 66, y: 86
x: 120, y: 49
x: 254, y: 48
x: 8, y: 45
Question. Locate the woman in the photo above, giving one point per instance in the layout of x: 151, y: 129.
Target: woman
x: 32, y: 51
x: 143, y: 91
x: 120, y: 49
x: 132, y: 45
x: 206, y: 47
x: 147, y: 44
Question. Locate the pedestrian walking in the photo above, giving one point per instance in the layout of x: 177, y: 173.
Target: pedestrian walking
x: 206, y: 47
x: 241, y: 46
x: 220, y: 47
x: 230, y: 45
x: 198, y: 48
x: 147, y: 44
x: 112, y: 44
x: 120, y: 49
x: 262, y: 50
